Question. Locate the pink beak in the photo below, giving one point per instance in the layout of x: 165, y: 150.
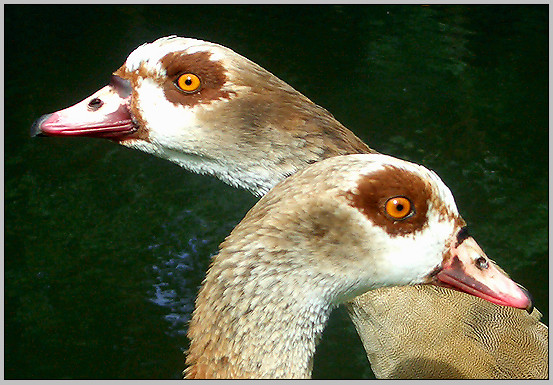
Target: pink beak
x: 104, y: 114
x: 468, y: 269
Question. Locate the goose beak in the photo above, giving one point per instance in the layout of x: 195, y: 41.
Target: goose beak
x: 104, y: 114
x: 467, y: 268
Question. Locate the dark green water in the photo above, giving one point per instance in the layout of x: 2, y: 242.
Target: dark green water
x: 105, y: 247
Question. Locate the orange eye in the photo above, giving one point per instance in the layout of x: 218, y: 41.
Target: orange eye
x: 398, y: 207
x: 188, y: 82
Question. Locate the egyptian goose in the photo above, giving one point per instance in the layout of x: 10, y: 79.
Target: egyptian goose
x: 210, y: 110
x: 334, y: 230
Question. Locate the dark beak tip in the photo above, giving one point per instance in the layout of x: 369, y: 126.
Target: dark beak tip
x: 36, y: 128
x: 530, y: 308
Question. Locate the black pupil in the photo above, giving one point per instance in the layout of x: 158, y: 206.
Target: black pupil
x: 188, y: 81
x: 399, y: 207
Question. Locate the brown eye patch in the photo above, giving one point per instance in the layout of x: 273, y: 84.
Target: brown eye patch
x: 375, y: 192
x: 212, y: 75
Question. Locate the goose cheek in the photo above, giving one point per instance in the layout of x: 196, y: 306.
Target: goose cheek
x: 467, y: 268
x: 105, y: 114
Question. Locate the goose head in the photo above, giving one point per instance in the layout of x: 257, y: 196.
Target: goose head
x: 326, y: 234
x: 211, y: 111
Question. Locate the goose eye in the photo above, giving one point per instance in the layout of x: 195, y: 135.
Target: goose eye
x: 188, y: 82
x: 398, y: 207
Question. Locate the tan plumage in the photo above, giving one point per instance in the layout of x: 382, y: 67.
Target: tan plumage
x: 435, y: 339
x: 256, y: 130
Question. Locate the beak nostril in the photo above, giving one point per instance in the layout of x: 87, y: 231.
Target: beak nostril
x: 95, y: 104
x: 482, y: 263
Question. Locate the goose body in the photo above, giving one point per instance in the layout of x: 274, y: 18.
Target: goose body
x: 250, y: 129
x: 478, y: 342
x: 319, y: 238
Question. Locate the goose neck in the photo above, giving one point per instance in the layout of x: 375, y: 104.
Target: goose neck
x: 254, y: 322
